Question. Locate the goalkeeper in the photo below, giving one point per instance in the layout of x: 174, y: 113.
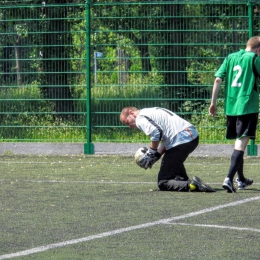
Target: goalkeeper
x: 172, y: 136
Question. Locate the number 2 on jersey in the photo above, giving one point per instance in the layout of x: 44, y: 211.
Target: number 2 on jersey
x: 235, y: 82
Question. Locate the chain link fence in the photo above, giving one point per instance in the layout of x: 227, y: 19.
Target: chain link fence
x: 67, y: 70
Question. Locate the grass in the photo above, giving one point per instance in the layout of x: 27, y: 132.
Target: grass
x: 32, y: 119
x: 28, y: 117
x: 53, y: 199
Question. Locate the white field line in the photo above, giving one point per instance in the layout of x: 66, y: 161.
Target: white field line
x: 70, y: 181
x: 215, y: 226
x: 123, y: 230
x: 97, y: 182
x: 117, y: 163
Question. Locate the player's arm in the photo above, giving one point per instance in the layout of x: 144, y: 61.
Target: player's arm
x: 155, y: 142
x: 154, y: 145
x: 219, y: 75
x: 161, y: 150
x: 157, y: 150
x: 215, y: 91
x: 152, y: 155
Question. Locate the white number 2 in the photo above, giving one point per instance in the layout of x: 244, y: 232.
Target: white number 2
x: 235, y: 82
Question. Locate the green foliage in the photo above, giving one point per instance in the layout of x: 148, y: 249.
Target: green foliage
x: 26, y: 124
x: 201, y: 71
x: 153, y: 54
x: 27, y: 116
x: 210, y: 129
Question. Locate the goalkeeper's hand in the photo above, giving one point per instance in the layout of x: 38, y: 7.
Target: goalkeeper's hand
x: 149, y: 158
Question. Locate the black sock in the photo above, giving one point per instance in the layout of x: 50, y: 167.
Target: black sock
x: 236, y: 159
x: 240, y: 171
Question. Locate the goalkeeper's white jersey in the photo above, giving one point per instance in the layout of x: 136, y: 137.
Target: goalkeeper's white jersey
x: 165, y: 126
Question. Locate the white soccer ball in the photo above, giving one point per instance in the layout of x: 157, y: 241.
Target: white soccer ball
x: 139, y: 154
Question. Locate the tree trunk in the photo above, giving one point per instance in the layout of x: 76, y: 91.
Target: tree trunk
x: 56, y: 64
x: 18, y: 67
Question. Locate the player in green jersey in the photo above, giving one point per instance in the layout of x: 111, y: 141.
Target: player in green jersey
x: 240, y: 71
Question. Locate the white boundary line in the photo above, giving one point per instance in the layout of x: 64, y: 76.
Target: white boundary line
x: 215, y: 226
x: 70, y: 181
x: 122, y: 230
x: 95, y: 182
x: 116, y: 163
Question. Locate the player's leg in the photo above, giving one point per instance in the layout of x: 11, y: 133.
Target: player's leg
x: 169, y: 178
x: 237, y: 157
x: 172, y: 164
x: 243, y: 127
x: 237, y: 163
x: 240, y: 170
x: 231, y: 133
x: 248, y: 129
x: 182, y: 174
x: 172, y: 175
x: 174, y: 185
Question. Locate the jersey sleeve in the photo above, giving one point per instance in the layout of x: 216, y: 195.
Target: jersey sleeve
x: 144, y: 125
x: 221, y: 72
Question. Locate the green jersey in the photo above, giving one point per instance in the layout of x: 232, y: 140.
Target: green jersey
x: 240, y: 70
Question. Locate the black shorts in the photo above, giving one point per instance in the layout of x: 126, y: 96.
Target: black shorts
x: 239, y: 126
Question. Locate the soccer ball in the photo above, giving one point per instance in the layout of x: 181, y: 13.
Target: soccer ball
x: 139, y: 154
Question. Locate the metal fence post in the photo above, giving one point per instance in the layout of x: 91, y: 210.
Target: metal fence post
x: 252, y: 147
x: 89, y: 146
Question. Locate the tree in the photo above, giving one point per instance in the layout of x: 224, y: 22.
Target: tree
x: 56, y: 39
x: 155, y: 29
x: 46, y: 30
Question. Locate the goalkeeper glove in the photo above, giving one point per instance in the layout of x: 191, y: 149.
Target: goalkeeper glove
x: 149, y: 158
